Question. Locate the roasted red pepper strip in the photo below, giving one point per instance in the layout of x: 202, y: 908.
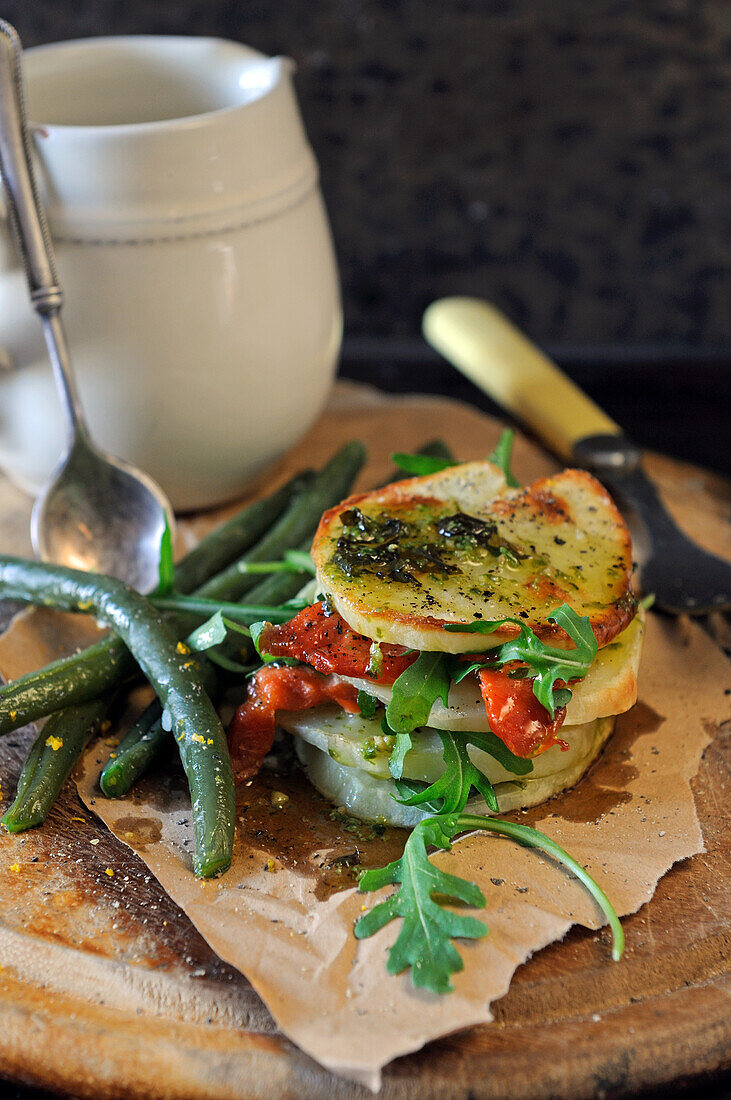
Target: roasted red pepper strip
x: 325, y: 641
x: 251, y: 733
x: 515, y: 715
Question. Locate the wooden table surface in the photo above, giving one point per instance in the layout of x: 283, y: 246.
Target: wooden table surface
x: 107, y: 990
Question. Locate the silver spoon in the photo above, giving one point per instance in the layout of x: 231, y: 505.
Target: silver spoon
x: 97, y: 513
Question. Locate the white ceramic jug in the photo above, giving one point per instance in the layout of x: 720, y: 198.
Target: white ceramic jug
x: 202, y: 301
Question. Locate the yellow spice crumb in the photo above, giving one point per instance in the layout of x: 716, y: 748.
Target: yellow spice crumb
x: 270, y: 866
x: 15, y: 867
x: 197, y: 737
x: 209, y: 741
x: 182, y: 647
x: 109, y: 872
x: 54, y: 743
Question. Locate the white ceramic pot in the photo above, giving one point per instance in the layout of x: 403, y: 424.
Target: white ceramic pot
x: 202, y: 302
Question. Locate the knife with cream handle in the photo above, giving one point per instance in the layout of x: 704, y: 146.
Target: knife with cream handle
x: 492, y: 353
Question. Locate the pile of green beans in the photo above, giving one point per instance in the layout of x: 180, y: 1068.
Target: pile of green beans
x: 174, y: 677
x: 70, y: 689
x: 77, y: 692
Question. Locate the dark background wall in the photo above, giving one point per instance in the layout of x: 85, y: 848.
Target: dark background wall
x: 568, y: 159
x: 565, y: 158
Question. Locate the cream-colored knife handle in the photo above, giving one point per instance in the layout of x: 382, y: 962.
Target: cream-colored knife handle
x: 490, y: 351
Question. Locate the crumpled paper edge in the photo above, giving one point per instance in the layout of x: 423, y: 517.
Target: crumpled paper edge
x: 331, y: 995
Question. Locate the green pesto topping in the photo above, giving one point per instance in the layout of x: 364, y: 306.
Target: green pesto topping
x: 401, y: 548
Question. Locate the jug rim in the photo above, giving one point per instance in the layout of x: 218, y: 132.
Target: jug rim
x: 281, y: 67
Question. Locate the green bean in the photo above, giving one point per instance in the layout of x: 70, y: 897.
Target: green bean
x: 69, y: 681
x: 102, y: 666
x: 196, y: 726
x: 50, y: 761
x: 144, y: 742
x: 31, y: 763
x: 227, y: 542
x: 278, y: 588
x: 298, y: 523
x: 142, y: 745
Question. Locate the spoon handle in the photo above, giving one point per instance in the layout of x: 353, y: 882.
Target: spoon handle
x: 29, y: 225
x: 27, y: 218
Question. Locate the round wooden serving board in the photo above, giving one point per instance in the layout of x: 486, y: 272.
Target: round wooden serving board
x: 107, y: 990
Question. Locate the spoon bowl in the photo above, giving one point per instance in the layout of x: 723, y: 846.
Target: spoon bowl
x: 101, y: 515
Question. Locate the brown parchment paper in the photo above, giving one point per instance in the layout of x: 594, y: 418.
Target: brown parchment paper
x: 284, y: 913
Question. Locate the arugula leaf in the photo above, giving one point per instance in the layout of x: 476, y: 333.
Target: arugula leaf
x: 253, y: 568
x: 166, y: 567
x: 424, y: 942
x: 401, y: 746
x: 414, y: 693
x: 547, y: 662
x: 458, y: 779
x: 450, y: 793
x: 491, y: 744
x: 210, y: 633
x: 405, y: 788
x: 534, y: 838
x: 420, y: 465
x: 501, y: 456
x: 214, y: 632
x: 367, y: 704
x: 416, y: 690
